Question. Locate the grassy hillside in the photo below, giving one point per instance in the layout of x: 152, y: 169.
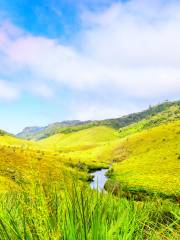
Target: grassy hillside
x: 91, y: 146
x: 21, y: 161
x: 91, y: 136
x: 6, y: 139
x: 44, y: 190
x: 74, y: 126
x: 2, y: 132
x: 146, y: 146
x: 150, y: 159
x: 37, y: 133
x: 172, y: 113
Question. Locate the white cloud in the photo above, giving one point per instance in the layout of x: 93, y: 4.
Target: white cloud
x: 94, y: 111
x: 43, y: 91
x: 132, y: 47
x: 7, y: 91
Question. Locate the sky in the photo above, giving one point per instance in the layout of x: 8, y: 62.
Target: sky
x: 85, y: 59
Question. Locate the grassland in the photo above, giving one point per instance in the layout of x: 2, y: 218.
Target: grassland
x: 143, y: 157
x: 164, y: 111
x: 22, y: 161
x: 76, y: 213
x: 44, y: 190
x: 91, y: 146
x: 150, y: 159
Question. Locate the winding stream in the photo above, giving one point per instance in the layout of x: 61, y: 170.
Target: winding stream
x: 99, y: 179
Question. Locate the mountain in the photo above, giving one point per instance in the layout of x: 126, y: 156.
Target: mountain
x: 29, y: 131
x: 136, y: 117
x: 36, y: 133
x: 2, y: 132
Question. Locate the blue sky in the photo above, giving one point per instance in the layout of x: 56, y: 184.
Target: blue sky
x: 86, y: 59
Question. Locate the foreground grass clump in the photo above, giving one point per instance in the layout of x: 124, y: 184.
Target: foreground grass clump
x: 77, y: 213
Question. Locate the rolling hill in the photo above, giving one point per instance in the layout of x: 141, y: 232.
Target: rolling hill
x: 144, y: 150
x: 150, y: 159
x: 22, y: 161
x: 38, y: 133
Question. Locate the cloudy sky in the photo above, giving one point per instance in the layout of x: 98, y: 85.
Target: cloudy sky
x: 85, y: 59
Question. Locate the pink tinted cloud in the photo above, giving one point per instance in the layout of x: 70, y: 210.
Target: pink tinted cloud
x: 8, y: 91
x: 8, y: 33
x: 118, y: 51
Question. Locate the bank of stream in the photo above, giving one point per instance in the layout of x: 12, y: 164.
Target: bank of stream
x: 100, y: 178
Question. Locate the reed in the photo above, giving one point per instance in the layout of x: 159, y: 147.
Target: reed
x: 72, y: 212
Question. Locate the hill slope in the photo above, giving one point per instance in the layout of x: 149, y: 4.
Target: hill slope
x: 84, y: 137
x: 21, y: 161
x: 36, y: 133
x: 150, y: 159
x: 144, y: 153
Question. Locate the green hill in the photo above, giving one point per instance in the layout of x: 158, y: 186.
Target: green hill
x: 150, y: 159
x: 171, y: 113
x: 85, y: 137
x: 137, y: 150
x: 21, y: 161
x: 44, y: 185
x: 36, y: 133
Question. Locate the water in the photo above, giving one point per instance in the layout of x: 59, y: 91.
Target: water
x: 99, y: 179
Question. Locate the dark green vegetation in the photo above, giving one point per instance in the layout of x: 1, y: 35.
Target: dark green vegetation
x: 3, y: 133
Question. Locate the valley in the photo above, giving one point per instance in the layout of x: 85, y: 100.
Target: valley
x: 144, y: 155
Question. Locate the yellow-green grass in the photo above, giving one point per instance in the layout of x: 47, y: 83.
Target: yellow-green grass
x: 21, y: 161
x: 171, y: 114
x: 146, y: 159
x: 46, y: 212
x: 40, y: 171
x: 86, y: 137
x: 151, y: 159
x: 10, y: 140
x: 91, y: 146
x: 97, y: 156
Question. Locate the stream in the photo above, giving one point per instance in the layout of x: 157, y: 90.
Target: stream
x: 99, y: 179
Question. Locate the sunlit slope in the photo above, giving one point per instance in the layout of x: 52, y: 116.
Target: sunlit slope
x: 150, y: 159
x: 36, y: 133
x: 21, y: 161
x: 92, y: 146
x: 10, y: 140
x: 168, y: 115
x: 144, y: 154
x: 90, y: 136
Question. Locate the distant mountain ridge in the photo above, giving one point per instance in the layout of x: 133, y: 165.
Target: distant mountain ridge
x: 38, y: 133
x: 35, y: 129
x: 2, y: 133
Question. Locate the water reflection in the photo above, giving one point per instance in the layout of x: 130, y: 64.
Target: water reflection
x: 99, y: 179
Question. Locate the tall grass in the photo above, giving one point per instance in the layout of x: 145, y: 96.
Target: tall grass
x: 56, y: 211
